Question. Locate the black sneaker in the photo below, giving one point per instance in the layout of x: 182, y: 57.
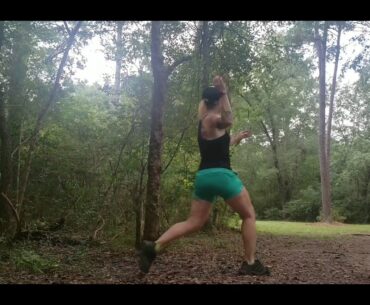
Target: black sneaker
x: 147, y: 255
x: 256, y: 269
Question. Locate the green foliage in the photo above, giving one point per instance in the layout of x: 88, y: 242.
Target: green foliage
x: 306, y: 208
x: 351, y: 184
x: 31, y: 261
x: 273, y: 214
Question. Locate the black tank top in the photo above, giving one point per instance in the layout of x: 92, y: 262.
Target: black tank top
x: 214, y: 153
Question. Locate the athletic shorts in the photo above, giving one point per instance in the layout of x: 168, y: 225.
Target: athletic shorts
x: 213, y: 182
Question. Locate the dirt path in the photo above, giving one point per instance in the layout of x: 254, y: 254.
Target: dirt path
x: 211, y: 260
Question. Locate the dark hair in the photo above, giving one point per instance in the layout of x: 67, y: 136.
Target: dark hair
x: 211, y: 95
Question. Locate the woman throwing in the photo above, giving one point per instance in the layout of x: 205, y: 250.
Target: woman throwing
x: 214, y: 178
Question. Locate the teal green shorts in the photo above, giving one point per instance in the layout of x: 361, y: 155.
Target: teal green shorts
x: 213, y: 182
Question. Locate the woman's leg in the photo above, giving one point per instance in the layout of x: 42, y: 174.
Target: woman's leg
x: 242, y: 204
x: 199, y: 214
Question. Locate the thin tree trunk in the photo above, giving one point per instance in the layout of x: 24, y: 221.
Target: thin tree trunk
x: 324, y: 169
x: 275, y: 159
x: 139, y: 207
x: 19, y: 163
x: 284, y: 187
x: 138, y: 197
x: 205, y: 44
x: 333, y: 91
x: 118, y: 57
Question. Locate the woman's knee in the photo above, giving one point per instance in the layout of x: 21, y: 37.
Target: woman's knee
x: 248, y: 214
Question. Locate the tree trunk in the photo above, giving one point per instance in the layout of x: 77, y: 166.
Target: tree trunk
x: 284, y: 190
x: 204, y: 52
x: 324, y: 169
x: 42, y: 114
x: 160, y: 75
x: 118, y: 57
x: 283, y: 185
x: 151, y: 227
x: 5, y: 151
x: 139, y: 208
x: 333, y: 90
x: 139, y: 212
x: 5, y: 164
x: 138, y: 197
x: 19, y: 162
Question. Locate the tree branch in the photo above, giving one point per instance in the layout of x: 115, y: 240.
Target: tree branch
x: 15, y: 213
x: 124, y: 143
x: 67, y: 28
x: 177, y: 63
x: 99, y: 228
x: 265, y: 130
x: 176, y: 149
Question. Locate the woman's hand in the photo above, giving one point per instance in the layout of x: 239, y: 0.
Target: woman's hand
x: 245, y: 134
x: 235, y: 139
x: 219, y: 83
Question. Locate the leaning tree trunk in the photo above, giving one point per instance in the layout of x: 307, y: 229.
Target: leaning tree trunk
x: 324, y: 168
x: 41, y: 117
